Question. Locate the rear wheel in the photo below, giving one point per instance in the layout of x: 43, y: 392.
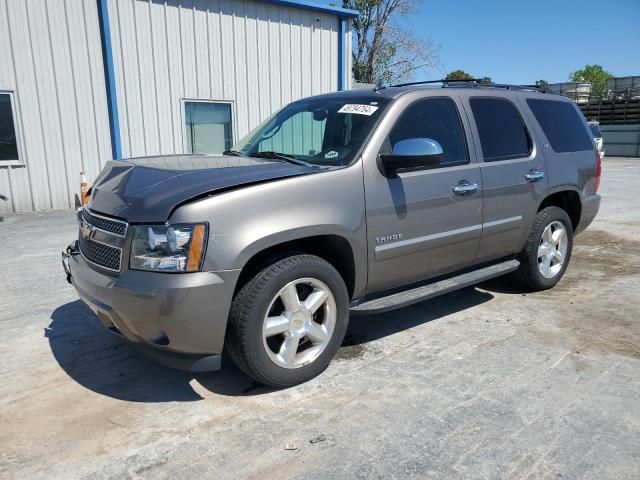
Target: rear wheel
x: 288, y: 321
x: 546, y: 254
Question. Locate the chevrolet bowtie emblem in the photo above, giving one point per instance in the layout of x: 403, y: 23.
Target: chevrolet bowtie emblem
x: 86, y: 230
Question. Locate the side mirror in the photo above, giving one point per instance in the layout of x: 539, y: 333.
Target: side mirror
x: 412, y: 153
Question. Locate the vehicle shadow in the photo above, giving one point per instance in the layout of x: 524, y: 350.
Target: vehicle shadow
x: 367, y: 328
x: 106, y: 364
x: 504, y: 284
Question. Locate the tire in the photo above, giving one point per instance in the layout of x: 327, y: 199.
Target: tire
x: 262, y: 354
x: 533, y: 272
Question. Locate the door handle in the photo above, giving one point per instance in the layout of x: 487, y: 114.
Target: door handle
x: 534, y: 176
x: 465, y: 188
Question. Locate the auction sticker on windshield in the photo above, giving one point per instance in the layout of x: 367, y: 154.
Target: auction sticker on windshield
x: 358, y: 109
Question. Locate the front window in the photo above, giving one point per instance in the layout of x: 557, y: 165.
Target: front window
x: 319, y: 131
x: 437, y: 119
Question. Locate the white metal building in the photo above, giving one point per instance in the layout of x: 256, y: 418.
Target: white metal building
x: 84, y: 81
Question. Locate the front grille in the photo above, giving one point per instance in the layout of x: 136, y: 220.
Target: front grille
x: 100, y: 254
x: 117, y: 227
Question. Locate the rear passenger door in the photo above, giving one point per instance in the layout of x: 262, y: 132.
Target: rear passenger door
x: 513, y: 172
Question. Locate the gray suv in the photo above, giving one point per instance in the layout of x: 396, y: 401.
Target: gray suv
x: 355, y: 202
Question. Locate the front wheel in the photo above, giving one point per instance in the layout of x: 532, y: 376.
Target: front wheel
x: 288, y: 321
x: 546, y: 254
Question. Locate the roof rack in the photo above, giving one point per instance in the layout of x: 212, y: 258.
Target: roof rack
x: 470, y: 83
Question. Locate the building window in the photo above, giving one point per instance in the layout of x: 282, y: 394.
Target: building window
x: 208, y: 127
x: 8, y: 141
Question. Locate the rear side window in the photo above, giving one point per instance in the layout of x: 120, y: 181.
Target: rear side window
x: 562, y: 125
x: 595, y: 130
x: 437, y: 119
x: 503, y: 134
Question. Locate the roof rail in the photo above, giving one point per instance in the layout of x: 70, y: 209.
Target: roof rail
x: 471, y: 83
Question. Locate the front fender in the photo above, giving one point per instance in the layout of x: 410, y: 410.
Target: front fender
x: 300, y: 233
x: 248, y: 220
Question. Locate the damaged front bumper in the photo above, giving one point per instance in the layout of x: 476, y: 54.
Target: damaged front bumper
x: 178, y: 320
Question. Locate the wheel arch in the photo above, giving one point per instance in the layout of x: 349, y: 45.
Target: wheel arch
x: 336, y: 249
x: 567, y: 199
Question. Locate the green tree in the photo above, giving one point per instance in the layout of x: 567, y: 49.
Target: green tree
x: 594, y: 74
x: 458, y: 75
x: 486, y: 81
x: 382, y: 50
x: 542, y: 84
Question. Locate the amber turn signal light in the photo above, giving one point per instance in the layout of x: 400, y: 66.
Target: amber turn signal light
x: 196, y: 249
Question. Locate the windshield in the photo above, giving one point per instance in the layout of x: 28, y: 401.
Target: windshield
x: 318, y: 131
x: 595, y: 130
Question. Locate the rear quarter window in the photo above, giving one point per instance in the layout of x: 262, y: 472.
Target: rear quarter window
x: 562, y: 125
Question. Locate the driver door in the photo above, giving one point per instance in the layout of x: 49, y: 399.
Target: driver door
x: 421, y: 223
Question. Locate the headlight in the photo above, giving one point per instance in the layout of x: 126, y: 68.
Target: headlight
x: 168, y: 248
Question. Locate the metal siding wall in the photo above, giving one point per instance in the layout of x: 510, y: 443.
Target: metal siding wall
x: 51, y: 58
x: 257, y: 55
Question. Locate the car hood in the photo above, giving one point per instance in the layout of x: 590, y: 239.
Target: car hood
x: 148, y: 189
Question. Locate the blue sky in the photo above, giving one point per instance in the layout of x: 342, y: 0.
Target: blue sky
x: 520, y: 42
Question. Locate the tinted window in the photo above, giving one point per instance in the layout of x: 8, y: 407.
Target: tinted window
x: 501, y: 129
x: 8, y: 145
x: 208, y: 127
x: 595, y: 130
x: 562, y: 125
x: 435, y: 118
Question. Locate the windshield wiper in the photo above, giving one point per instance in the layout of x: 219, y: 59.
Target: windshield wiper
x: 281, y: 156
x: 234, y: 153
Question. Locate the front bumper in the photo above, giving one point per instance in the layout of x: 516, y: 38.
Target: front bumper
x: 177, y: 319
x: 590, y: 207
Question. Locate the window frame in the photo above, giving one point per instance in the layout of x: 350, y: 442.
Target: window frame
x: 16, y: 127
x: 183, y: 112
x: 527, y: 129
x: 465, y: 135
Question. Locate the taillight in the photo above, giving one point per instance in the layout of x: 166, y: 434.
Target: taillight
x: 598, y: 171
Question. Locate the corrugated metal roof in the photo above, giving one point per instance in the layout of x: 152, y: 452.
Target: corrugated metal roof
x: 305, y: 5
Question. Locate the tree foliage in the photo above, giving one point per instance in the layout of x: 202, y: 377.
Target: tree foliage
x: 383, y: 51
x: 458, y: 75
x: 594, y: 74
x: 542, y: 84
x: 462, y: 75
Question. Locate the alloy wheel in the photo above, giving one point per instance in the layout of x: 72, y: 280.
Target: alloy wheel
x: 552, y: 249
x: 299, y: 323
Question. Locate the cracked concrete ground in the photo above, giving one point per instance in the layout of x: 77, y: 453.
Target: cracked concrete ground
x: 487, y: 382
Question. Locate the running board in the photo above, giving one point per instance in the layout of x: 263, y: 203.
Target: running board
x: 425, y: 292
